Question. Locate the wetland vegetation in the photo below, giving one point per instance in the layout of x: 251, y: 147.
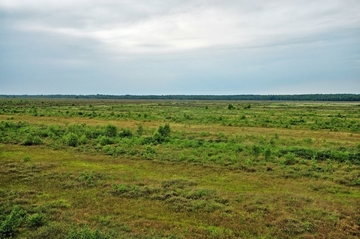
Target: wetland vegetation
x: 111, y: 168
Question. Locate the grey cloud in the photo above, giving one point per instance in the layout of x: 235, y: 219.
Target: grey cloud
x: 195, y: 47
x: 144, y: 23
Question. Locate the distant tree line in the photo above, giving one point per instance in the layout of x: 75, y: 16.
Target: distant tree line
x: 301, y: 97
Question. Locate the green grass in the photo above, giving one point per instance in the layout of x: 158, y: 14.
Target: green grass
x: 179, y: 169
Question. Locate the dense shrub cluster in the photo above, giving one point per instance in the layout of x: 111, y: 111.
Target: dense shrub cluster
x: 221, y: 149
x: 10, y: 224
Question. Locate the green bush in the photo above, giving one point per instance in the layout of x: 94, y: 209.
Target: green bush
x: 140, y: 130
x: 110, y: 130
x: 92, y: 132
x: 267, y: 154
x: 118, y: 151
x: 108, y: 149
x: 71, y: 139
x: 87, y: 178
x: 290, y: 159
x: 76, y: 128
x: 54, y: 131
x: 157, y: 138
x: 104, y: 140
x: 304, y: 153
x: 231, y: 107
x: 126, y: 133
x: 32, y: 140
x: 149, y: 150
x: 83, y: 139
x: 161, y: 134
x: 36, y: 220
x: 255, y: 151
x: 12, y: 222
x: 164, y: 131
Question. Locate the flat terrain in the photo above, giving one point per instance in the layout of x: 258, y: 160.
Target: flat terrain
x: 75, y: 168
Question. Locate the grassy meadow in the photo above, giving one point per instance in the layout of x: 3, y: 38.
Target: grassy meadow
x: 76, y: 168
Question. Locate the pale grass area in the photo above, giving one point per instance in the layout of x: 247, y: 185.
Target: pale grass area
x: 287, y: 202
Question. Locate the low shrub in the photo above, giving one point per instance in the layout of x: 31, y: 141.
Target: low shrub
x: 105, y: 140
x: 140, y: 130
x: 164, y: 131
x: 83, y: 139
x: 290, y: 159
x: 110, y: 130
x: 36, y: 220
x: 86, y: 233
x: 126, y: 133
x: 32, y: 140
x: 267, y: 154
x: 71, y: 139
x: 11, y: 223
x: 108, y: 149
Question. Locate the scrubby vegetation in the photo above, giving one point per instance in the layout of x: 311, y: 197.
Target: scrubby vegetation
x: 76, y: 168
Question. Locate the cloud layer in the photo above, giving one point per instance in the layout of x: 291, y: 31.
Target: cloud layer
x: 219, y: 47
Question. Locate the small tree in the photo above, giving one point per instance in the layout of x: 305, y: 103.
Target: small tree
x: 164, y: 131
x: 231, y: 107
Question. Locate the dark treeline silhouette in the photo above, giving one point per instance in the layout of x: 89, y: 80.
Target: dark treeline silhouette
x: 301, y: 97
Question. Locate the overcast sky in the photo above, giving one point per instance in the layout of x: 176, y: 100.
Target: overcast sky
x: 179, y: 46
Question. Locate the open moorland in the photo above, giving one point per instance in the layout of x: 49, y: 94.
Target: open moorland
x: 83, y: 168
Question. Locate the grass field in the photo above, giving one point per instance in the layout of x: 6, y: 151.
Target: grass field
x: 80, y: 168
